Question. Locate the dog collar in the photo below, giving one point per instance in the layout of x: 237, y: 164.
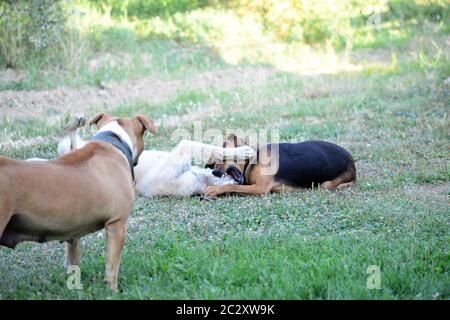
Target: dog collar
x: 114, y: 139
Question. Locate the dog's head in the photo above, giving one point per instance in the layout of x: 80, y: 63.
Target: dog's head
x: 232, y: 167
x: 130, y: 130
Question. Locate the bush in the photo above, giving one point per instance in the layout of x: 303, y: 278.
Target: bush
x: 307, y: 21
x: 420, y: 10
x: 299, y: 21
x: 29, y: 28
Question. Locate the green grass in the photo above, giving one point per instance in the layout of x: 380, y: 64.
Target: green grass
x: 136, y: 58
x: 306, y: 245
x: 180, y: 104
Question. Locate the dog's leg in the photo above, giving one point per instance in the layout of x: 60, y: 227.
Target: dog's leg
x: 73, y: 126
x: 335, y: 184
x: 4, y: 220
x: 115, y: 238
x: 76, y: 123
x: 283, y: 188
x: 197, y: 150
x: 328, y: 185
x: 345, y: 185
x: 73, y: 251
x: 346, y: 179
x: 74, y: 141
x: 6, y: 212
x: 262, y: 187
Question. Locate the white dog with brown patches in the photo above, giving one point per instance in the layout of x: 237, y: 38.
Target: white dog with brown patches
x: 161, y: 173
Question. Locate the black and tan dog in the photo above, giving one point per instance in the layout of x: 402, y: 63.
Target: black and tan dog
x: 285, y: 167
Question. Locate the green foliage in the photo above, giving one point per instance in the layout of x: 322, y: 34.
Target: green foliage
x: 47, y: 37
x: 112, y: 39
x: 144, y: 9
x: 29, y: 28
x: 305, y: 21
x: 301, y: 21
x: 419, y: 10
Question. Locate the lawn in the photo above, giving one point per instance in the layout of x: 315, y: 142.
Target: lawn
x: 389, y: 106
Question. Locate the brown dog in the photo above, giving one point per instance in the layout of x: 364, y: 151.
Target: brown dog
x: 79, y: 193
x: 285, y: 167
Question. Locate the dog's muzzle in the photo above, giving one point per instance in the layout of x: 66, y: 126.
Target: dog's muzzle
x: 218, y: 173
x: 233, y: 172
x: 236, y: 174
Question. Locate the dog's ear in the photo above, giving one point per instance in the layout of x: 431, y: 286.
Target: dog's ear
x: 231, y: 137
x: 235, y: 140
x: 147, y: 122
x: 99, y: 118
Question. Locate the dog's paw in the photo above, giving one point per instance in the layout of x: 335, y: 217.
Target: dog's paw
x: 212, y: 191
x: 77, y: 122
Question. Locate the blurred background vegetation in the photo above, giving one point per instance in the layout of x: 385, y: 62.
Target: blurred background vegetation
x: 66, y: 37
